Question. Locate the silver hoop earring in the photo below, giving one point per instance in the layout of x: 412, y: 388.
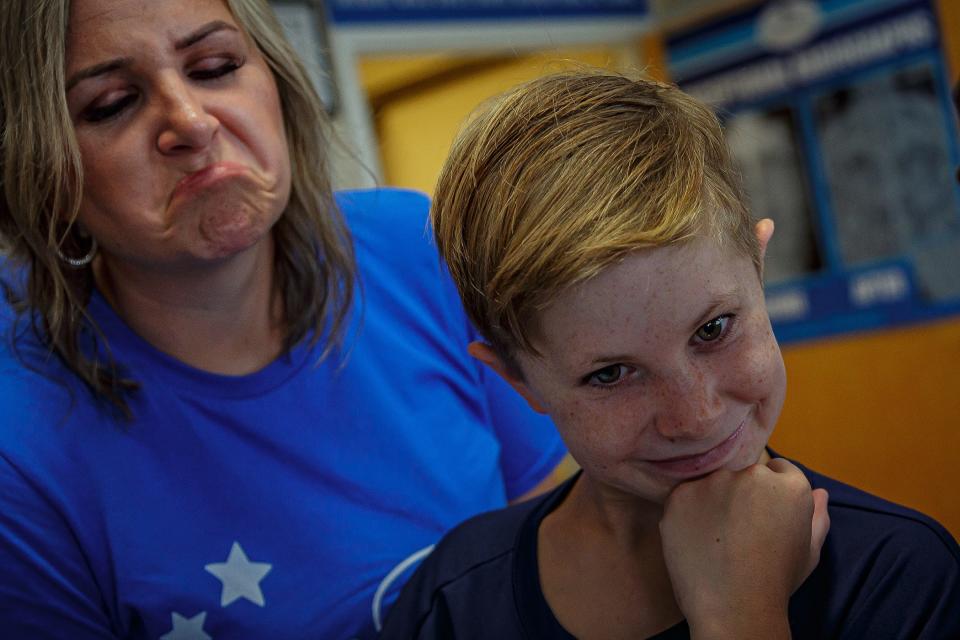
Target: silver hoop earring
x: 80, y: 263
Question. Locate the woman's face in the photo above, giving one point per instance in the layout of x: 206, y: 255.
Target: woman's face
x: 179, y: 125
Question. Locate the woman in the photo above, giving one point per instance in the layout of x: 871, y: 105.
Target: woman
x: 203, y: 437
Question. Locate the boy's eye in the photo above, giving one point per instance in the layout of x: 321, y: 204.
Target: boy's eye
x: 713, y: 330
x: 608, y: 376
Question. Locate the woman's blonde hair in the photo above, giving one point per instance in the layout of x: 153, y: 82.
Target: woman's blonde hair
x: 41, y: 184
x: 560, y: 177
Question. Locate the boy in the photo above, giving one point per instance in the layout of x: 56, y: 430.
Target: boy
x: 598, y: 237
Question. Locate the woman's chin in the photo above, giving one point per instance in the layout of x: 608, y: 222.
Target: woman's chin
x: 223, y: 237
x: 229, y: 216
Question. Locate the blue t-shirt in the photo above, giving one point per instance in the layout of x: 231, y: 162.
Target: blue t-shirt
x: 290, y: 503
x: 885, y: 573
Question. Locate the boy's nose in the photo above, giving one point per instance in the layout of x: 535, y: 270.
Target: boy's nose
x: 690, y: 407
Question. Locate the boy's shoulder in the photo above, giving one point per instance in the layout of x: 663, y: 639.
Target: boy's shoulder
x: 477, y: 560
x: 885, y: 571
x: 863, y: 516
x: 485, y: 538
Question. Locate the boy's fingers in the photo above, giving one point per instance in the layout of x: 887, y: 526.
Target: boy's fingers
x: 821, y: 518
x: 819, y: 527
x: 782, y: 465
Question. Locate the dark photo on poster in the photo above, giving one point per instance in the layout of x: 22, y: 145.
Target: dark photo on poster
x: 883, y: 143
x: 764, y: 145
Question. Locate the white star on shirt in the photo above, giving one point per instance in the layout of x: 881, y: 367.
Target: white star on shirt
x: 240, y: 577
x: 187, y: 629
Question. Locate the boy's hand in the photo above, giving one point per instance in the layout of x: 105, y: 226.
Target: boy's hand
x: 737, y: 544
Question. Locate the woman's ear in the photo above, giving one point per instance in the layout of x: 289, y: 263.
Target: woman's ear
x: 485, y: 354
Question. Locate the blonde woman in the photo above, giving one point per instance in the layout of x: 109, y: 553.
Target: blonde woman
x: 229, y: 411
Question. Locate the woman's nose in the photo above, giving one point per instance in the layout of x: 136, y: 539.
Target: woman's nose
x: 691, y: 405
x: 187, y: 125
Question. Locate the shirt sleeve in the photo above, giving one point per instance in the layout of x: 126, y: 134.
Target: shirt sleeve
x: 46, y: 588
x: 912, y: 589
x: 391, y: 229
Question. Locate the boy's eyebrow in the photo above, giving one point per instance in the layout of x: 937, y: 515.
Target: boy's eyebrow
x: 717, y: 301
x: 613, y: 357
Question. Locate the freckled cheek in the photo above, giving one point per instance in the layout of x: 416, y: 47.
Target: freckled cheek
x: 598, y: 434
x: 754, y: 374
x: 765, y: 384
x: 772, y: 374
x: 777, y: 383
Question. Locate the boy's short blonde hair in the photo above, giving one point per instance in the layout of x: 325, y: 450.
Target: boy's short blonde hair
x: 560, y: 177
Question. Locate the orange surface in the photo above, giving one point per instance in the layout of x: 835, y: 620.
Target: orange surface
x: 948, y: 13
x: 415, y: 130
x: 881, y: 411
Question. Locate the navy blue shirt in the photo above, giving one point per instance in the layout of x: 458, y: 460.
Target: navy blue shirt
x: 885, y: 572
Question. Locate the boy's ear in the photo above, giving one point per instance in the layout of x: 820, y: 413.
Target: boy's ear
x: 764, y: 231
x: 485, y: 354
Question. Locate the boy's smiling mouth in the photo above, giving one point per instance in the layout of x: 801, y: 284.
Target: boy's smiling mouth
x: 700, y: 463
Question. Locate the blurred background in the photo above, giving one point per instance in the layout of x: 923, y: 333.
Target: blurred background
x: 839, y: 114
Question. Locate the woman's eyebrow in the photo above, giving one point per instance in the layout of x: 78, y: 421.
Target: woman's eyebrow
x: 201, y: 33
x: 98, y: 70
x: 121, y: 63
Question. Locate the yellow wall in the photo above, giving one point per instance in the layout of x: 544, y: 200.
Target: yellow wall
x: 878, y: 410
x: 416, y: 127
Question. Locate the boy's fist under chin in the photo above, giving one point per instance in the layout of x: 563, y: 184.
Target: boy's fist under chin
x: 737, y: 544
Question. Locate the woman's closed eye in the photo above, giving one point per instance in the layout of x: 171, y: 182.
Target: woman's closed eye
x: 209, y: 69
x: 215, y: 68
x: 609, y: 376
x: 97, y: 112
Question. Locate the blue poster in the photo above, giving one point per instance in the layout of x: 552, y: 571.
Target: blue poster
x: 366, y: 11
x: 838, y: 114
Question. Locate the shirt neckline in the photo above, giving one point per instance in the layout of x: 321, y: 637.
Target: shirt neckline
x: 138, y: 358
x: 536, y: 617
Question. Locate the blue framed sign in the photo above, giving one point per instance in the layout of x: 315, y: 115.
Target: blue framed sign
x: 305, y: 25
x: 380, y: 11
x: 839, y: 115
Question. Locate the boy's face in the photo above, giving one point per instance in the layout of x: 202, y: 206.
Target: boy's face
x: 661, y: 369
